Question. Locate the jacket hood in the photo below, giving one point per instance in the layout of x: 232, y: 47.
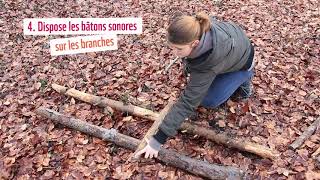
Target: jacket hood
x: 204, y: 45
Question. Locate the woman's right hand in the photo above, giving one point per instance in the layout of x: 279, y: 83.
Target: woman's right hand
x: 151, y: 149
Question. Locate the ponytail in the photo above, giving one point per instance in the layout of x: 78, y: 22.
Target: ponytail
x: 204, y: 22
x: 185, y: 29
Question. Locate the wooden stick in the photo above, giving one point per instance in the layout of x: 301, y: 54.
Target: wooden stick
x: 305, y: 135
x: 223, y: 138
x: 152, y: 130
x: 191, y: 128
x: 197, y: 167
x: 105, y: 102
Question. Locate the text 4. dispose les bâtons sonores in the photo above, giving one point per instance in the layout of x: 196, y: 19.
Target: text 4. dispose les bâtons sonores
x: 86, y: 26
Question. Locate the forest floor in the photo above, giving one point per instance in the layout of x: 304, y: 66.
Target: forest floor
x: 286, y: 96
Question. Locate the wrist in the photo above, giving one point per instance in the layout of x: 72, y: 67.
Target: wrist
x: 160, y: 136
x: 154, y: 143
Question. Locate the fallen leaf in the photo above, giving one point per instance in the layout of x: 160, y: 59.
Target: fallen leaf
x: 46, y: 161
x: 37, y: 85
x: 80, y: 158
x: 232, y: 110
x: 302, y: 93
x: 222, y: 123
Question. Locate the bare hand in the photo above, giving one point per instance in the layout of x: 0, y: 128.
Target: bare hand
x: 149, y: 151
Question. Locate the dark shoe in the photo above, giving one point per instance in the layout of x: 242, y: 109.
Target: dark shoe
x: 194, y: 116
x: 244, y: 91
x: 215, y: 126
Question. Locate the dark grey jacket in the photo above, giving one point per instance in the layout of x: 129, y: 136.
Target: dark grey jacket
x: 230, y: 51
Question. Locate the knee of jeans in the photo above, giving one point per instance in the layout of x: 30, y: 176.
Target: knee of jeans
x: 208, y: 104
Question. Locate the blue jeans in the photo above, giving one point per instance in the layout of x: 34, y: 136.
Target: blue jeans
x: 223, y: 86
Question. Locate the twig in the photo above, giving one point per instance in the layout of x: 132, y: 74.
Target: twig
x: 305, y: 135
x: 171, y: 63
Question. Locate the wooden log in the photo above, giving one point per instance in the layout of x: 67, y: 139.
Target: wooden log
x: 305, y: 135
x: 169, y: 157
x: 223, y: 138
x: 105, y: 102
x: 191, y: 128
x: 152, y: 130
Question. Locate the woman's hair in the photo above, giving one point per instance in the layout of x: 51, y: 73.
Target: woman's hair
x: 185, y: 29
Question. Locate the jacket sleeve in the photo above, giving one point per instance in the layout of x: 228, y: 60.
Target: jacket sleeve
x: 189, y: 100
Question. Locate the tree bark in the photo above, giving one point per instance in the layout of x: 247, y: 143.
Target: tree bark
x: 305, y: 135
x: 191, y: 128
x: 197, y: 167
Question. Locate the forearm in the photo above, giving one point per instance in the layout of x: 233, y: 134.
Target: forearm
x: 181, y: 110
x: 185, y: 106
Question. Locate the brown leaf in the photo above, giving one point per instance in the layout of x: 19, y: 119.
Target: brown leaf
x: 299, y: 168
x: 162, y: 174
x: 6, y: 103
x: 85, y: 141
x: 222, y: 123
x: 80, y: 158
x: 128, y: 119
x: 46, y: 161
x: 232, y: 110
x: 37, y: 85
x: 48, y: 174
x: 245, y: 108
x: 119, y: 74
x: 2, y: 114
x: 312, y: 175
x: 302, y: 93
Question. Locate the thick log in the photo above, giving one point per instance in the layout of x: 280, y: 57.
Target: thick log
x: 305, y: 135
x: 223, y: 138
x: 169, y: 157
x: 191, y: 128
x: 152, y: 129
